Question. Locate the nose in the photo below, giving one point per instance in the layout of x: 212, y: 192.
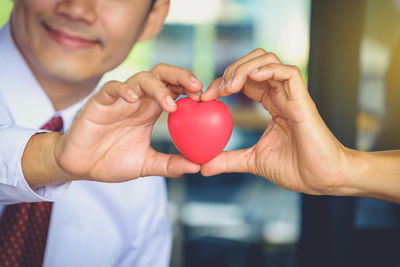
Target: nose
x: 78, y: 10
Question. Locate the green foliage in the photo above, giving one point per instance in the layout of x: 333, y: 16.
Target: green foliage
x: 5, y: 10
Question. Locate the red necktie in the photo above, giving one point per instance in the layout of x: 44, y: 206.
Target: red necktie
x: 24, y: 226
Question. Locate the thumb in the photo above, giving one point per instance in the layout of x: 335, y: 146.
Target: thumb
x: 228, y: 161
x: 169, y: 165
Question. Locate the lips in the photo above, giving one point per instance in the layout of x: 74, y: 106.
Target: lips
x: 69, y: 40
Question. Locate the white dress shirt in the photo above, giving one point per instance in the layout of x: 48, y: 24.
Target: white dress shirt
x: 92, y: 224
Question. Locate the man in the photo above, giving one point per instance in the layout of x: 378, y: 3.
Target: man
x: 56, y: 52
x: 297, y: 151
x: 53, y: 55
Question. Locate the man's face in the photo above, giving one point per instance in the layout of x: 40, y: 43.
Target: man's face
x: 77, y: 40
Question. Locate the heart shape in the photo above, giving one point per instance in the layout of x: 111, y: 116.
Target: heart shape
x: 200, y: 130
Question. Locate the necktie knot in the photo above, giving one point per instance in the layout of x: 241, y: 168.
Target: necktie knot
x: 55, y: 124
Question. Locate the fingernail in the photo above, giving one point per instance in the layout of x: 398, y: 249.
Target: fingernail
x: 132, y: 94
x: 170, y: 101
x: 223, y: 75
x: 197, y: 96
x: 256, y: 70
x: 222, y: 85
x: 194, y: 79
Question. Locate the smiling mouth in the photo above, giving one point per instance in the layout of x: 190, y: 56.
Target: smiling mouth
x: 69, y: 40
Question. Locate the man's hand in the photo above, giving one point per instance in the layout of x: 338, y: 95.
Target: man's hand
x: 109, y: 140
x: 297, y: 151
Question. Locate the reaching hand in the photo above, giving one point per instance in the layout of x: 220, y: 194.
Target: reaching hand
x: 109, y: 139
x: 297, y: 151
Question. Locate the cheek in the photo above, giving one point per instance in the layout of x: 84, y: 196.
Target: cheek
x: 25, y: 13
x: 26, y: 28
x: 120, y: 46
x: 122, y: 23
x: 121, y: 38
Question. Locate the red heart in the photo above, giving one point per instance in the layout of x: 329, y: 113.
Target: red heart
x: 200, y: 130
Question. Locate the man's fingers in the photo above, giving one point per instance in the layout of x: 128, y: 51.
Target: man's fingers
x: 294, y: 88
x: 176, y: 76
x: 236, y: 75
x: 145, y: 83
x: 163, y: 84
x: 228, y: 161
x: 212, y: 92
x: 182, y: 91
x: 231, y: 68
x: 217, y: 88
x: 240, y: 75
x: 114, y: 90
x: 168, y: 165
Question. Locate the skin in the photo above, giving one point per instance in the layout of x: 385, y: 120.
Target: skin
x: 69, y: 45
x: 109, y: 140
x: 297, y: 151
x: 68, y: 73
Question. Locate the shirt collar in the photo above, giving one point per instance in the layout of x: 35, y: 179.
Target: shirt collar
x: 22, y: 93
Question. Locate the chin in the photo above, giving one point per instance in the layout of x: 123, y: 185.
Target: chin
x: 70, y: 72
x: 72, y: 66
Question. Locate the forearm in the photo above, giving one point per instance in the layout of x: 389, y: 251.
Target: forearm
x: 39, y: 165
x: 376, y: 174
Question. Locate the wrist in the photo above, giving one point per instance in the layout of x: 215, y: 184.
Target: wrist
x: 39, y: 164
x: 343, y: 179
x: 377, y: 175
x: 354, y: 171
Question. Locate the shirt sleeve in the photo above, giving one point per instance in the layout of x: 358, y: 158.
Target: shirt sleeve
x: 13, y: 186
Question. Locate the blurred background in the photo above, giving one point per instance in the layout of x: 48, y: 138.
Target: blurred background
x: 349, y: 54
